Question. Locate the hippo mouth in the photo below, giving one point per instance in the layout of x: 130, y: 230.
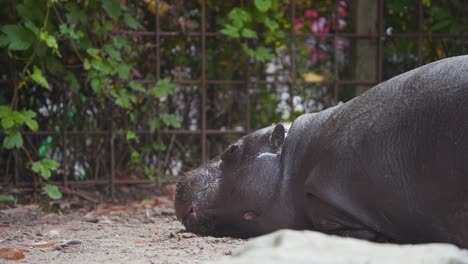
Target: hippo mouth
x: 195, y: 222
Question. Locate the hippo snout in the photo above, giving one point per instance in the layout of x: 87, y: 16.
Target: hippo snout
x: 195, y: 195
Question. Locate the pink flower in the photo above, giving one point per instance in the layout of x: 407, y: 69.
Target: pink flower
x: 342, y: 11
x: 136, y: 73
x: 298, y: 24
x: 311, y: 13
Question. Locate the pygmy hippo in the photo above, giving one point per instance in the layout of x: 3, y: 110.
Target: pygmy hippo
x: 389, y: 165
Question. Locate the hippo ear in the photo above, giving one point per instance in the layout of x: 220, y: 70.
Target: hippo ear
x: 277, y: 136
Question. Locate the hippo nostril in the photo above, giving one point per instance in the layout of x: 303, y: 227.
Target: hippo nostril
x: 191, y: 213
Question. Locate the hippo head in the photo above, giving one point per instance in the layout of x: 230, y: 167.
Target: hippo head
x: 233, y: 194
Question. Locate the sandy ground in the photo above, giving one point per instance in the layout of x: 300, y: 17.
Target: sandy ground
x: 109, y: 234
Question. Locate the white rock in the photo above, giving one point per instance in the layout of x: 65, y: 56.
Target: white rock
x: 53, y: 233
x: 294, y: 247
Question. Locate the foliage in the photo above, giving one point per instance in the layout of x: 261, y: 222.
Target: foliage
x: 265, y: 21
x: 7, y: 198
x: 76, y: 66
x: 439, y: 16
x: 47, y: 40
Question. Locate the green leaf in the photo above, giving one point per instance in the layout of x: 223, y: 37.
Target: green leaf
x: 32, y: 124
x: 55, y: 66
x: 441, y: 24
x: 135, y: 157
x: 239, y: 17
x: 96, y: 85
x: 7, y: 198
x: 52, y: 191
x: 263, y: 54
x: 39, y: 78
x: 94, y: 53
x: 248, y: 33
x: 270, y: 23
x: 71, y: 31
x: 44, y: 167
x: 131, y: 136
x: 123, y: 71
x: 154, y: 124
x: 13, y: 140
x: 137, y: 86
x: 250, y: 52
x: 131, y: 22
x: 4, y: 111
x: 87, y: 64
x: 29, y: 121
x: 72, y: 81
x: 230, y: 31
x: 112, y: 8
x: 76, y: 15
x: 120, y: 42
x: 102, y: 66
x: 163, y: 88
x: 29, y: 114
x: 159, y: 145
x: 263, y: 5
x: 32, y: 10
x: 4, y: 40
x: 17, y: 117
x: 123, y: 101
x: 50, y: 40
x: 8, y: 122
x: 18, y: 37
x: 31, y: 26
x: 112, y: 52
x: 455, y: 28
x: 172, y: 121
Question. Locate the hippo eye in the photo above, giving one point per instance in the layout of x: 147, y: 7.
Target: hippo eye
x: 232, y: 147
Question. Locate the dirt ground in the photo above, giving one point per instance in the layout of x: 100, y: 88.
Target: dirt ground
x: 110, y: 233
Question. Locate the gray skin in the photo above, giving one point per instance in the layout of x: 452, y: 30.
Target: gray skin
x: 389, y: 165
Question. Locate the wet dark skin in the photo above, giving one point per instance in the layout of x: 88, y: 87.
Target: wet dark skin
x: 389, y: 165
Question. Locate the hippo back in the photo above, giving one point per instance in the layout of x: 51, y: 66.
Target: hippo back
x: 394, y: 160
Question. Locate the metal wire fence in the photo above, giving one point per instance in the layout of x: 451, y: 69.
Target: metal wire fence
x: 103, y: 145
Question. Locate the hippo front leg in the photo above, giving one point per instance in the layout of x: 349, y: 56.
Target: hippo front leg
x: 331, y: 220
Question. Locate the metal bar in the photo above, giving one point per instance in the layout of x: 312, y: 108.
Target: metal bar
x: 112, y: 156
x: 92, y: 182
x: 248, y: 99
x: 302, y: 34
x: 292, y: 73
x: 420, y: 33
x: 171, y: 33
x: 158, y: 42
x: 155, y: 108
x: 16, y: 165
x: 376, y: 35
x: 335, y: 52
x: 464, y: 26
x: 139, y: 132
x: 64, y: 139
x: 13, y: 83
x: 203, y: 82
x: 242, y: 82
x: 381, y: 40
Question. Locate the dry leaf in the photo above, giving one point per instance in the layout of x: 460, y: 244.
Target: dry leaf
x: 162, y: 8
x: 11, y: 253
x: 312, y: 77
